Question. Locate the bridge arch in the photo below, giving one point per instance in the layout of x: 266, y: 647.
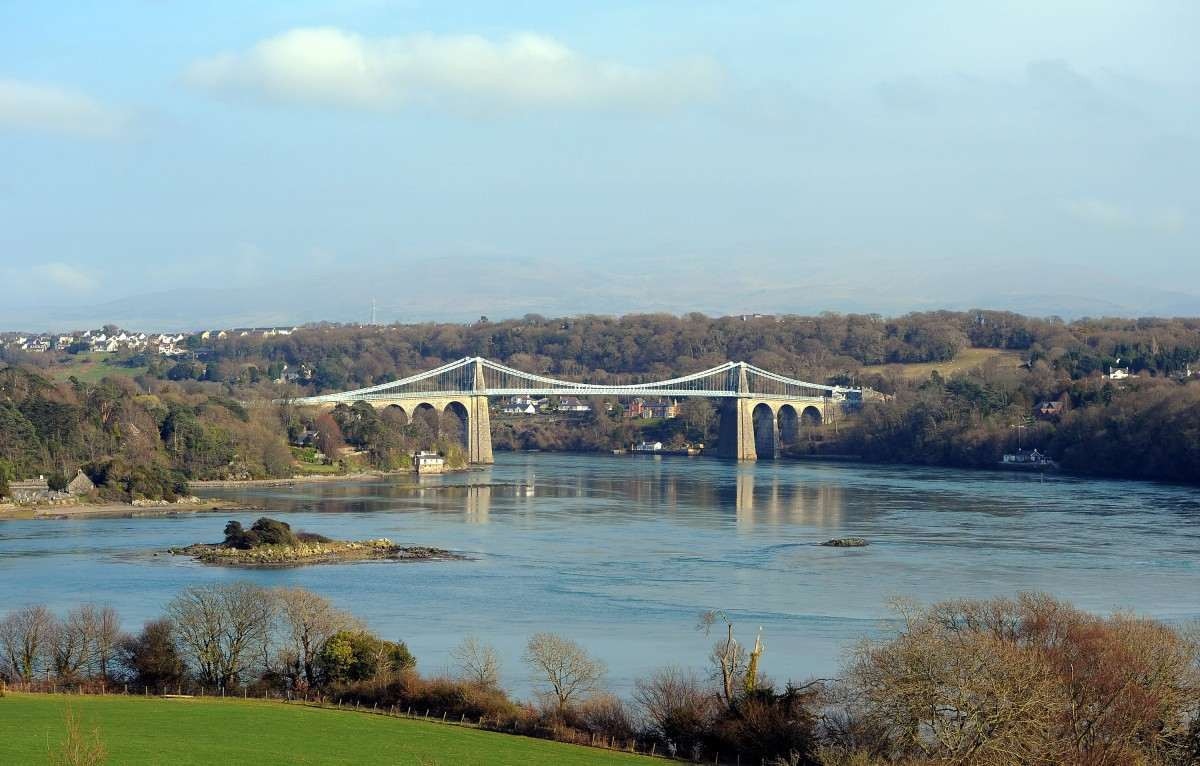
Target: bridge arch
x: 395, y: 413
x: 425, y: 422
x: 766, y: 430
x: 788, y: 421
x: 455, y: 422
x: 812, y: 416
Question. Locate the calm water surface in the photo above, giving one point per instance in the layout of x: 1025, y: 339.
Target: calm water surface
x: 623, y: 553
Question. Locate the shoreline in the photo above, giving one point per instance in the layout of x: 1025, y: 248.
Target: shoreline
x: 284, y: 482
x: 119, y: 510
x: 310, y: 479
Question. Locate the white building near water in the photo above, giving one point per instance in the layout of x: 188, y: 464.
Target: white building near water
x: 429, y: 462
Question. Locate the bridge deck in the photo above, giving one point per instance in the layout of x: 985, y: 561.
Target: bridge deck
x: 475, y: 376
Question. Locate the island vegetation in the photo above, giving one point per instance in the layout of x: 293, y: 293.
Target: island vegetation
x: 1024, y: 680
x: 270, y: 543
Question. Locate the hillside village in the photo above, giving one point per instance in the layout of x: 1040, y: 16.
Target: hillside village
x: 111, y: 339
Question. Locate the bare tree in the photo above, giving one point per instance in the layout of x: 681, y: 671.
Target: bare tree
x: 69, y: 645
x: 728, y: 657
x: 25, y: 639
x: 677, y: 704
x: 221, y: 627
x: 477, y: 662
x: 99, y: 629
x: 307, y: 621
x: 564, y: 666
x: 106, y: 639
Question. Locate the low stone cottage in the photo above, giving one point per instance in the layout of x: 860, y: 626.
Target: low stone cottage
x: 80, y: 485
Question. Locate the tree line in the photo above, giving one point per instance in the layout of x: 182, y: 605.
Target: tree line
x: 1140, y: 428
x: 150, y: 435
x: 999, y: 681
x: 644, y: 346
x: 133, y: 439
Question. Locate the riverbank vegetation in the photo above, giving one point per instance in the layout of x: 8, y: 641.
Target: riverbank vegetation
x: 1028, y: 680
x: 146, y: 439
x: 1106, y: 397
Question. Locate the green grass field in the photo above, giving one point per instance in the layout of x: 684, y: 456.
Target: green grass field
x: 137, y: 730
x: 967, y: 359
x: 92, y: 368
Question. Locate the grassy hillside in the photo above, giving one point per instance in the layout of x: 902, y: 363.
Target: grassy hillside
x: 92, y: 368
x: 967, y: 359
x: 156, y: 731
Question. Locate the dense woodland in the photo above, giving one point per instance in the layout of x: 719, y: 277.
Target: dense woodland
x: 628, y: 348
x: 185, y: 418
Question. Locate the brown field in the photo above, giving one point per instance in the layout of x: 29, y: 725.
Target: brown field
x: 967, y: 359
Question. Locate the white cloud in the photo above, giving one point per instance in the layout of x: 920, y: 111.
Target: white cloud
x: 1169, y: 221
x: 1107, y: 215
x: 64, y: 276
x: 1099, y: 213
x: 328, y: 66
x: 39, y: 107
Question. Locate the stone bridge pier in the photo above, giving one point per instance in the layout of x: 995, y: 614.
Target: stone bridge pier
x: 753, y: 427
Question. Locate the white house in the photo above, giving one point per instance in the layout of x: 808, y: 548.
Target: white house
x: 428, y: 462
x: 573, y: 404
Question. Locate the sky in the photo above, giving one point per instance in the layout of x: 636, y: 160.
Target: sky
x: 167, y: 164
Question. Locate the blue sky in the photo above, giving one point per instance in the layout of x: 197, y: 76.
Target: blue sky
x: 184, y: 164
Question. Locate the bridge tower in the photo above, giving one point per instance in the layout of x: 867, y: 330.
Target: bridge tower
x: 479, y: 422
x: 736, y: 438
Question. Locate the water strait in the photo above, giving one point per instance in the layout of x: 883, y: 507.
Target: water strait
x: 624, y: 553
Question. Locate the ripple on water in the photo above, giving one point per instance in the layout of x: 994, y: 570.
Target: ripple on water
x: 623, y: 554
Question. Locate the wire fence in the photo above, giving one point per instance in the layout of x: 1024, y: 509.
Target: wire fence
x: 499, y: 724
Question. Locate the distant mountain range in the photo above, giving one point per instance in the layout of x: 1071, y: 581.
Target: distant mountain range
x: 457, y: 290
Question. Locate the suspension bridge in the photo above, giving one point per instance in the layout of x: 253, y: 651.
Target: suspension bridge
x: 759, y: 409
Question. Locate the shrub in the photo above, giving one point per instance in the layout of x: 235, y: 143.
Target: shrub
x: 677, y: 706
x: 767, y: 725
x: 357, y: 655
x: 272, y: 532
x: 454, y: 698
x: 312, y: 537
x: 151, y: 657
x: 262, y: 532
x: 57, y: 482
x: 604, y: 715
x: 116, y: 479
x: 1029, y: 680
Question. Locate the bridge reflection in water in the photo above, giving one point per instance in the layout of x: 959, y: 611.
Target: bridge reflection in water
x: 759, y: 410
x: 765, y: 500
x: 757, y: 498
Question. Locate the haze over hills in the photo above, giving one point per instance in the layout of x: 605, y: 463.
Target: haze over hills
x: 185, y: 167
x: 464, y: 289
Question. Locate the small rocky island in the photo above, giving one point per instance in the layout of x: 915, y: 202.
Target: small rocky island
x: 271, y: 543
x: 846, y: 542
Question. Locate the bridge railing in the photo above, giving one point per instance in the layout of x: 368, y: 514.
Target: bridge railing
x: 462, y: 377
